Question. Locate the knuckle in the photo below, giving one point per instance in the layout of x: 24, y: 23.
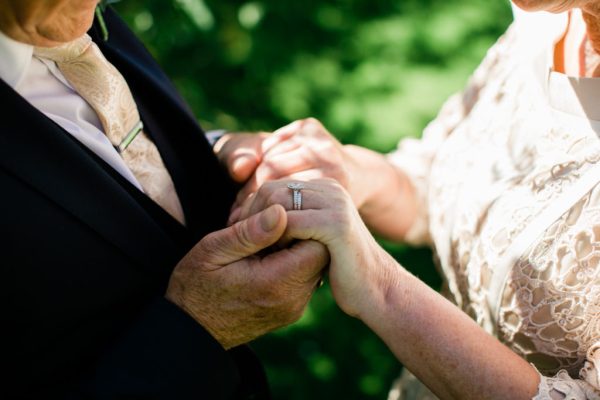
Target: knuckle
x: 311, y: 121
x: 264, y: 192
x: 203, y: 252
x: 274, y: 198
x: 331, y: 146
x: 332, y: 183
x: 311, y: 126
x: 242, y: 234
x: 271, y: 186
x: 268, y: 167
x: 338, y: 216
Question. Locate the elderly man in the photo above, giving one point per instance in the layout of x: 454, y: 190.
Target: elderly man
x: 119, y: 278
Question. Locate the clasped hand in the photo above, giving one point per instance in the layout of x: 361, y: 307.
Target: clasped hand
x: 358, y: 265
x: 337, y: 183
x: 301, y: 150
x: 237, y: 294
x: 235, y: 284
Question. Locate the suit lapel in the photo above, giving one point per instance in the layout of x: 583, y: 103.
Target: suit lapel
x: 49, y: 160
x: 52, y: 162
x: 168, y: 120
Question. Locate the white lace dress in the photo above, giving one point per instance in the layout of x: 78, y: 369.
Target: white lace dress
x: 508, y: 175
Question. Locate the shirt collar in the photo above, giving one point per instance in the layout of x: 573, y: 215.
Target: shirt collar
x: 15, y: 58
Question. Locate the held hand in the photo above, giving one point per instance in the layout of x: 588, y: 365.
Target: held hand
x: 238, y: 295
x: 241, y: 153
x: 305, y: 150
x: 360, y: 270
x: 301, y: 150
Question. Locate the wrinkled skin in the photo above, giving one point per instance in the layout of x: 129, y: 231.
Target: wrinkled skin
x: 46, y: 23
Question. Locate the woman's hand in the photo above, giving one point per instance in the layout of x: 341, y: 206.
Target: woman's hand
x: 360, y: 270
x: 305, y: 150
x: 301, y: 150
x: 440, y: 344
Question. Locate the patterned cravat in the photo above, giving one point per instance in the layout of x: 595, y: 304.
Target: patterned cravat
x: 105, y: 89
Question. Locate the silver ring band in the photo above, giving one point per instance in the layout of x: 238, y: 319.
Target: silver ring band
x: 296, y: 195
x: 297, y: 200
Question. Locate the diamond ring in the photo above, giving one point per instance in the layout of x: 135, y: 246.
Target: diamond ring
x: 296, y: 194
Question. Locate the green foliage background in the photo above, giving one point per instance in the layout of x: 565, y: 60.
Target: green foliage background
x: 373, y: 71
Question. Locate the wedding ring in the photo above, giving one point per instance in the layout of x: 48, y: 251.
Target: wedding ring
x: 296, y: 194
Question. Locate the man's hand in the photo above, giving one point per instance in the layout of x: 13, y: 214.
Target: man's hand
x: 359, y: 267
x: 241, y: 153
x: 238, y: 295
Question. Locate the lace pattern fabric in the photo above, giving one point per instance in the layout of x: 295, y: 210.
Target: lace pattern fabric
x: 493, y: 160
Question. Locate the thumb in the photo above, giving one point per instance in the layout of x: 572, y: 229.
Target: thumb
x: 246, y: 237
x: 241, y: 153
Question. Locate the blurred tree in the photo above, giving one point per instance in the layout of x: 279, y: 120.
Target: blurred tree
x: 373, y: 71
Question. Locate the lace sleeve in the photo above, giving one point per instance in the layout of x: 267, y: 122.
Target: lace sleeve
x: 562, y: 386
x: 415, y: 156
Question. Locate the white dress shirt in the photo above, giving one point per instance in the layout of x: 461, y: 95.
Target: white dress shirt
x: 42, y: 84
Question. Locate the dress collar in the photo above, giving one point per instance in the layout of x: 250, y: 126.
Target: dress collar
x: 571, y: 95
x: 15, y: 58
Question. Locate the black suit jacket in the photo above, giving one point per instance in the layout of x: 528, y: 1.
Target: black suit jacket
x: 85, y: 257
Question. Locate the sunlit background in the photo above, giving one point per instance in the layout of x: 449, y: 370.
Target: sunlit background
x: 373, y: 71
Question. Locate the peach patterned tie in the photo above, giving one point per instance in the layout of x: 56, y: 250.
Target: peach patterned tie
x: 104, y: 88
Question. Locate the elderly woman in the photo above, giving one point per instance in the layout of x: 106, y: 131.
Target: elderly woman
x: 503, y: 185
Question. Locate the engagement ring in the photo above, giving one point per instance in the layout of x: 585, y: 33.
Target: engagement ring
x: 296, y: 194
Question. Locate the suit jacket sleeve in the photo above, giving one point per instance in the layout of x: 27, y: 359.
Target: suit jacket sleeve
x: 163, y: 355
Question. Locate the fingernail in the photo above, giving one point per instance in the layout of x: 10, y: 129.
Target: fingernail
x: 269, y: 219
x: 239, y: 164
